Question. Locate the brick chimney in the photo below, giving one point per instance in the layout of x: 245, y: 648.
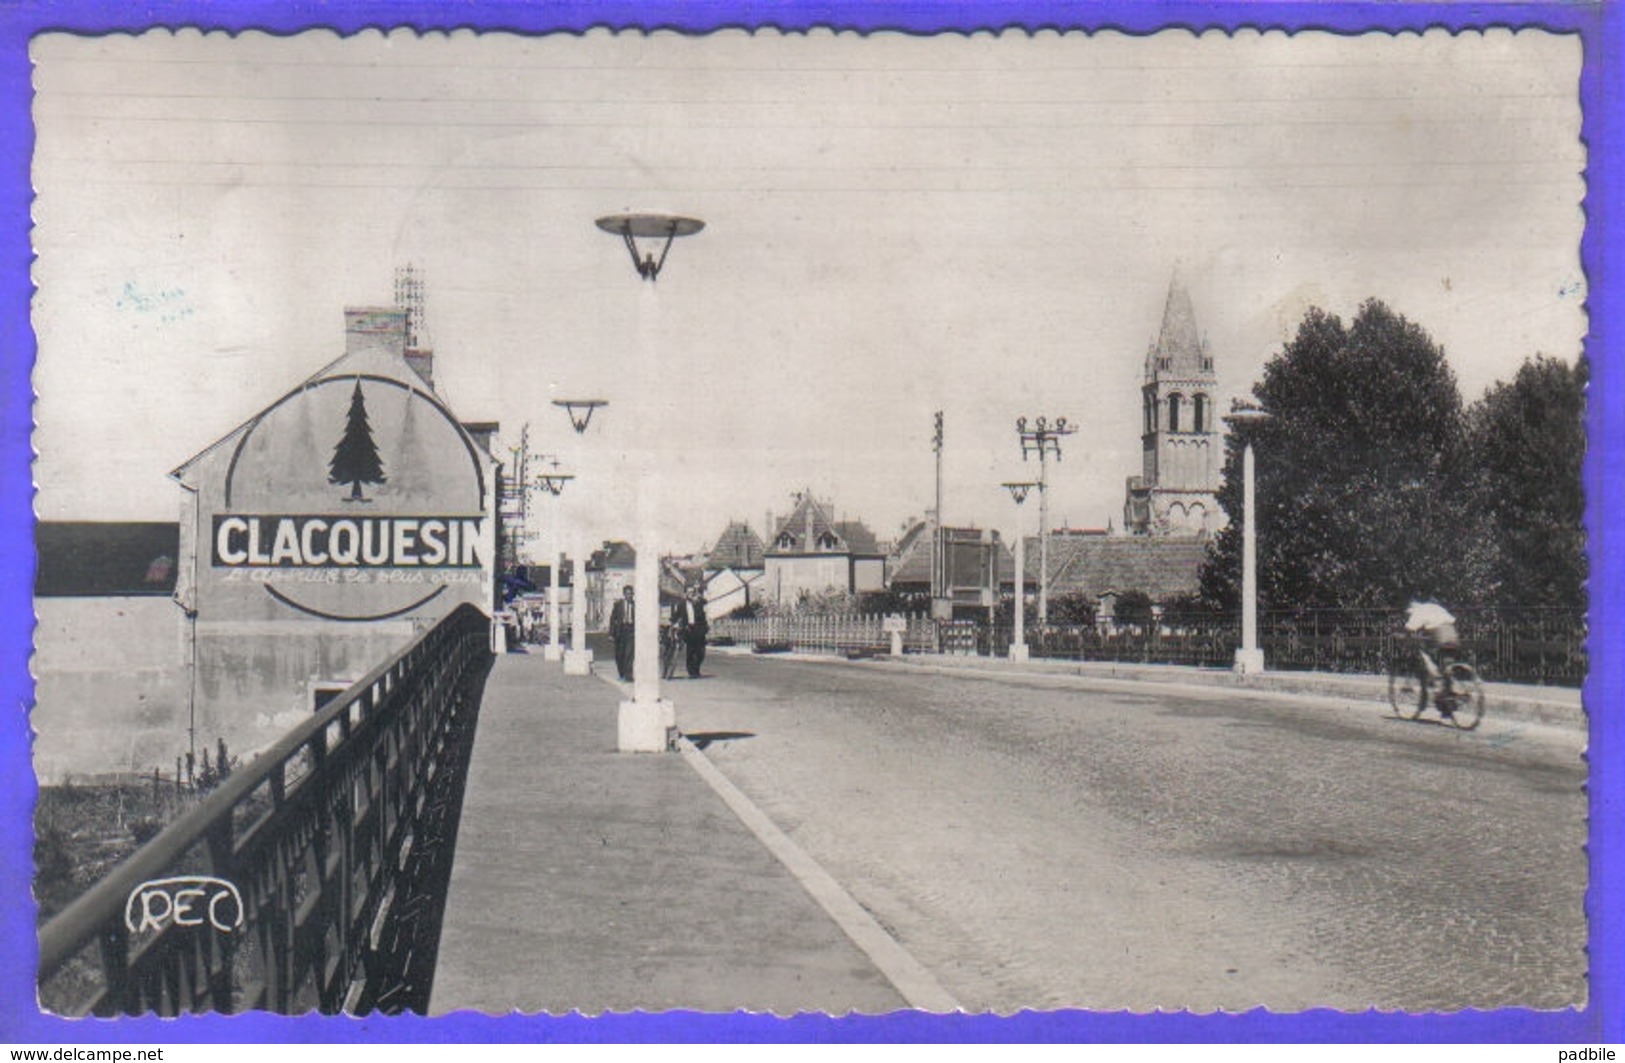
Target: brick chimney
x: 374, y: 328
x: 421, y: 359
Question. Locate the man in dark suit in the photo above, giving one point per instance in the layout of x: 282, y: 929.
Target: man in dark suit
x: 621, y: 620
x: 688, y: 616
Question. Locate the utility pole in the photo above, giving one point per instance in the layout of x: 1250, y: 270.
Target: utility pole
x: 512, y: 509
x: 1043, y: 439
x: 941, y: 609
x: 410, y: 296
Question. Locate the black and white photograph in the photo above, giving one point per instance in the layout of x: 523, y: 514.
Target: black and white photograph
x: 810, y: 522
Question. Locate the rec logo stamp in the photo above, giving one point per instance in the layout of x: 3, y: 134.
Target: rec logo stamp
x: 191, y: 900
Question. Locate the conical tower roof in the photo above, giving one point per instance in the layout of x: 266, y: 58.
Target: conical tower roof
x: 1178, y: 350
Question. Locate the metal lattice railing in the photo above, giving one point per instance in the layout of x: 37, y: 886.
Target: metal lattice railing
x: 310, y: 878
x: 1535, y: 645
x: 833, y: 633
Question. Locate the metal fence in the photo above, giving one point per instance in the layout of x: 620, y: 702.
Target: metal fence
x: 854, y: 634
x: 1537, y: 645
x: 313, y: 878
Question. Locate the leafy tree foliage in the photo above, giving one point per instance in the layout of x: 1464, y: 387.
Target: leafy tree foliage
x: 1069, y: 608
x: 1133, y: 609
x: 1187, y: 605
x: 1524, y: 454
x: 1357, y: 504
x: 889, y: 601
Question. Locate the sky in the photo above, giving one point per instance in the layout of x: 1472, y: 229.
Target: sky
x: 984, y: 225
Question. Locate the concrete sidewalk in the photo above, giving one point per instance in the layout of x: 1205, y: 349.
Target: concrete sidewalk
x: 1554, y: 706
x: 591, y: 880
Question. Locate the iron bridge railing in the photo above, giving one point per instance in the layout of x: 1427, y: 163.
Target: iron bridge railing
x: 1544, y: 645
x: 313, y: 878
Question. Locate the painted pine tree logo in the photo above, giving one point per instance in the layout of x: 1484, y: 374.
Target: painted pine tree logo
x: 355, y: 459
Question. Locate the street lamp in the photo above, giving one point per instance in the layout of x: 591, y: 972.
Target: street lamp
x: 1018, y: 491
x: 580, y: 411
x: 552, y: 481
x: 647, y: 724
x: 1250, y: 657
x: 1043, y: 438
x: 578, y: 658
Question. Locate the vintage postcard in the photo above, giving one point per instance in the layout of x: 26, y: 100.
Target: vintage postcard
x: 741, y: 521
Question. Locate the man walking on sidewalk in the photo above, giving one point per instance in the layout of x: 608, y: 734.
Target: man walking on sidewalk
x: 621, y: 619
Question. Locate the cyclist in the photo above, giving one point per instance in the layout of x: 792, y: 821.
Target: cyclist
x: 1438, y: 644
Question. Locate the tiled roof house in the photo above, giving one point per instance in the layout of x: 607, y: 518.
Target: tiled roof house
x: 738, y: 548
x: 811, y: 553
x: 1104, y: 567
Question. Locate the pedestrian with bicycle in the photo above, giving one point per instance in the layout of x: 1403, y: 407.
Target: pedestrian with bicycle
x: 688, y: 616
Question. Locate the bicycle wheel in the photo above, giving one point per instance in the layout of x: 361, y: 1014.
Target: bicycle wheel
x: 667, y: 657
x: 1469, y: 693
x: 1404, y: 692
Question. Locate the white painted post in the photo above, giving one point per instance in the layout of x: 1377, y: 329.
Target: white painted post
x: 578, y: 659
x: 645, y: 724
x: 555, y: 648
x: 1250, y: 658
x: 1018, y: 648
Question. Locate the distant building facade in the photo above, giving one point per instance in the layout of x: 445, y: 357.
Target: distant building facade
x: 734, y: 570
x: 811, y: 553
x: 978, y: 564
x: 108, y: 650
x: 1182, y: 451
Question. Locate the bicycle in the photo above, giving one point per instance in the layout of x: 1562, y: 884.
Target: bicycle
x: 668, y: 651
x: 1462, y: 707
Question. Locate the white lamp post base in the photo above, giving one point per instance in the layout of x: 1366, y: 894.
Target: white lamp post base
x: 578, y: 662
x: 645, y: 727
x: 1249, y: 662
x: 553, y: 651
x: 1018, y: 651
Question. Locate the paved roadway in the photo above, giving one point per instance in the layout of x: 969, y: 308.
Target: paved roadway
x: 1052, y: 842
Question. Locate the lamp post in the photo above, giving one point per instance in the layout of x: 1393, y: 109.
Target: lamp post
x: 1043, y: 438
x: 1018, y: 648
x: 647, y: 724
x: 1250, y: 657
x: 552, y: 481
x: 578, y: 658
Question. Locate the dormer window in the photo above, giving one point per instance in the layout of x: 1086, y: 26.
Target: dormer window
x: 827, y: 542
x: 787, y: 541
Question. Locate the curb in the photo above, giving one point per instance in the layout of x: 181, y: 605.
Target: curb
x: 1554, y: 706
x: 917, y: 986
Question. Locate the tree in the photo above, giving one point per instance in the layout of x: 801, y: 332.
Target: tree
x: 1524, y: 454
x: 1071, y: 607
x: 1357, y: 504
x: 355, y: 458
x: 1134, y: 609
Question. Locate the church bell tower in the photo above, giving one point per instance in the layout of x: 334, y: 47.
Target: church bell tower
x: 1182, y: 452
